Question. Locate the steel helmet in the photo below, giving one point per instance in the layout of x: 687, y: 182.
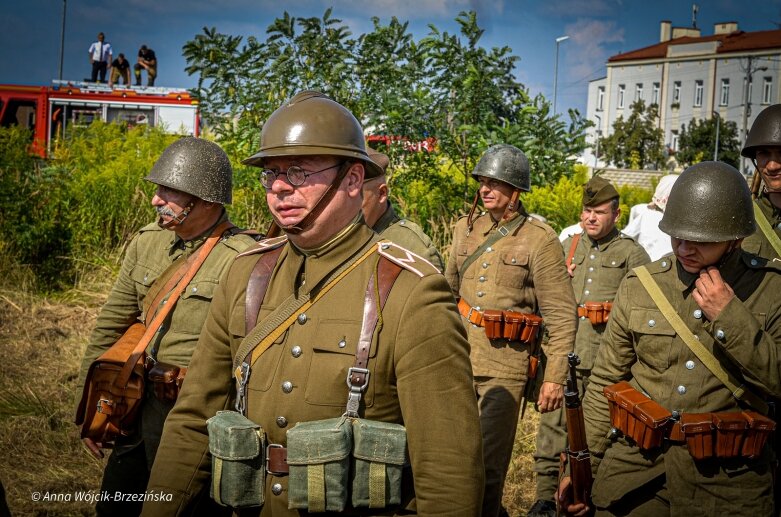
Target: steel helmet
x: 309, y: 124
x: 505, y: 163
x: 710, y: 202
x: 766, y: 131
x: 195, y: 166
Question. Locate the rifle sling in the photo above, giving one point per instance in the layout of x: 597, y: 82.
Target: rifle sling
x: 703, y: 354
x: 767, y: 230
x: 200, y: 257
x: 501, y: 231
x: 572, y: 248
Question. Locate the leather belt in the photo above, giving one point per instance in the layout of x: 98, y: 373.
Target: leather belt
x: 473, y: 315
x: 582, y: 312
x: 276, y: 460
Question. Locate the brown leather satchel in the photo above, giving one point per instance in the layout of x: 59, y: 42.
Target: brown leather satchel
x: 114, y: 386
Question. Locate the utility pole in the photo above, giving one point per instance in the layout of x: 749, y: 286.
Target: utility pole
x: 716, y: 147
x: 749, y: 69
x: 62, y: 37
x: 556, y: 71
x: 598, y: 134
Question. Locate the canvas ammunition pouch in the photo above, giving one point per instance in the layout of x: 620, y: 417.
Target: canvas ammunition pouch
x: 509, y: 325
x: 596, y: 312
x: 723, y: 434
x: 166, y: 380
x: 237, y: 446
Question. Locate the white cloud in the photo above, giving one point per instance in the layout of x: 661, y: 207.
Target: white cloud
x: 587, y: 50
x: 571, y: 8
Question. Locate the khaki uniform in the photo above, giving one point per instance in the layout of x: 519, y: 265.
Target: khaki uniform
x: 599, y: 268
x: 523, y: 271
x: 409, y: 235
x: 420, y: 377
x: 640, y: 346
x: 758, y: 243
x: 148, y: 255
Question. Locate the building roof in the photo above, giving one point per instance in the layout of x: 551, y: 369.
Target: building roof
x: 738, y: 41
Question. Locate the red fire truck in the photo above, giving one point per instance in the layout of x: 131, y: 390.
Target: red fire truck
x: 52, y: 111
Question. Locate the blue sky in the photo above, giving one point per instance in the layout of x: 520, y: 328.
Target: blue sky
x: 30, y: 31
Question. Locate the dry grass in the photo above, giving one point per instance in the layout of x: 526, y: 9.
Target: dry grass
x: 42, y: 340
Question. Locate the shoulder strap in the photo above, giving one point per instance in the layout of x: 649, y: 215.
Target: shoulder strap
x: 200, y: 257
x: 257, y: 286
x: 767, y: 230
x: 260, y: 339
x: 703, y: 354
x: 500, y: 232
x: 377, y: 291
x: 572, y: 248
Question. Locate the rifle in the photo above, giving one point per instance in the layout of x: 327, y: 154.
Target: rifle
x: 577, y: 451
x: 535, y: 351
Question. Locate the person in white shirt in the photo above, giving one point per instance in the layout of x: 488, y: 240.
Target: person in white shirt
x: 100, y: 55
x: 644, y: 226
x: 571, y: 230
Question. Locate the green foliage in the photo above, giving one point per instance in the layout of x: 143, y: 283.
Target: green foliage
x: 636, y: 142
x: 445, y: 86
x: 697, y: 142
x: 561, y: 202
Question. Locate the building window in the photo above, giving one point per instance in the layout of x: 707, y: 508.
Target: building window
x: 674, y: 140
x: 621, y: 89
x: 677, y: 92
x: 724, y: 97
x: 697, y: 94
x: 600, y: 98
x: 767, y: 90
x: 655, y: 94
x: 638, y: 92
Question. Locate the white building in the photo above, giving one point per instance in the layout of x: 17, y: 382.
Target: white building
x: 689, y: 76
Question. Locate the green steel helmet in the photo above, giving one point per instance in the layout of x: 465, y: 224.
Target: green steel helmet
x: 765, y: 132
x: 505, y: 163
x: 710, y: 202
x: 310, y: 124
x: 195, y: 166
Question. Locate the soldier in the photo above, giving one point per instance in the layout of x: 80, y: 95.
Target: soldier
x: 417, y: 357
x: 194, y: 179
x: 381, y: 217
x: 696, y: 336
x: 763, y: 147
x: 505, y: 266
x: 597, y: 260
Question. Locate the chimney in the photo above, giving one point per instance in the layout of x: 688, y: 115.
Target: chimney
x: 725, y: 27
x: 680, y: 32
x: 665, y: 31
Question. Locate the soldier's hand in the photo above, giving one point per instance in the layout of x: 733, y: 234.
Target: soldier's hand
x: 551, y: 397
x: 571, y: 269
x: 712, y: 293
x: 93, y: 447
x: 565, y: 502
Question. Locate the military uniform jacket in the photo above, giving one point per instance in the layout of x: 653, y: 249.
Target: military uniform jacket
x: 149, y: 254
x: 757, y: 243
x: 599, y: 268
x: 407, y: 234
x: 523, y: 271
x: 420, y: 377
x: 640, y: 346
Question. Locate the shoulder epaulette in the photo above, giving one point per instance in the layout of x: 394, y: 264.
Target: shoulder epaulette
x: 265, y: 245
x: 406, y: 259
x: 151, y: 227
x: 660, y: 266
x: 758, y: 262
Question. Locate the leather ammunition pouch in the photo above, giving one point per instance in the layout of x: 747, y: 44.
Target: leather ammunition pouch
x: 636, y: 415
x: 166, y: 380
x: 509, y: 325
x: 107, y: 410
x: 723, y: 435
x: 596, y: 312
x: 237, y: 446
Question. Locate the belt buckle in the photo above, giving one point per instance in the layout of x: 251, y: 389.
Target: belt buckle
x: 469, y: 316
x: 268, y: 470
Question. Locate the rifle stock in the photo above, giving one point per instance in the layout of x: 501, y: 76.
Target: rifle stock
x: 577, y: 450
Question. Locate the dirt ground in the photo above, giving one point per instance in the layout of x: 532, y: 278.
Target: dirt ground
x: 41, y: 457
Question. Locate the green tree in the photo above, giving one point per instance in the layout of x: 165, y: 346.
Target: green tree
x: 697, y: 142
x: 635, y: 141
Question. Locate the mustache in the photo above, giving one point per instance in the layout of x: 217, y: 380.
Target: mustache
x: 165, y: 211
